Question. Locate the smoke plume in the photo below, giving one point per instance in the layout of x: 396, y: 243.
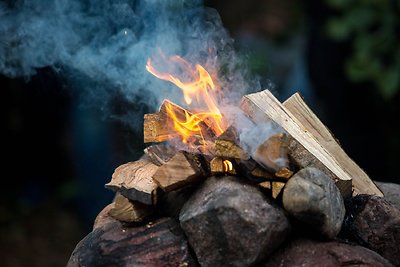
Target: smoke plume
x: 102, y: 46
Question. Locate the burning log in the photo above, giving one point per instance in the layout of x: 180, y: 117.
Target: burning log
x: 134, y: 181
x: 362, y: 183
x: 312, y: 150
x: 181, y: 169
x: 226, y: 145
x: 273, y: 153
x: 125, y: 210
x: 159, y: 127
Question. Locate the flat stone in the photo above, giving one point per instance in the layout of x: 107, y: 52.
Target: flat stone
x: 312, y: 197
x: 375, y: 223
x: 231, y: 223
x: 159, y: 243
x: 309, y: 253
x: 391, y: 192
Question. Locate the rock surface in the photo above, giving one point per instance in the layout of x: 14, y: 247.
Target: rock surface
x: 311, y: 197
x: 230, y: 223
x: 391, y: 192
x: 309, y: 253
x: 375, y: 223
x: 160, y: 243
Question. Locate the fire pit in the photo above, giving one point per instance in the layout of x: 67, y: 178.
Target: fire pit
x: 259, y: 183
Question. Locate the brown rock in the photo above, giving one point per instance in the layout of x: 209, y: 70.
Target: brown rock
x: 230, y: 223
x: 312, y: 197
x: 103, y: 218
x: 308, y: 253
x: 391, y: 192
x: 375, y: 223
x: 160, y: 243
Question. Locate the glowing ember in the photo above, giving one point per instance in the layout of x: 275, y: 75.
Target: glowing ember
x: 201, y: 90
x: 228, y: 166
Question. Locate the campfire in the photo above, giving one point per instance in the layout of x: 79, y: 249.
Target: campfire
x: 215, y: 188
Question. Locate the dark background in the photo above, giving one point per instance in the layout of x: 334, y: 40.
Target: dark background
x: 59, y: 154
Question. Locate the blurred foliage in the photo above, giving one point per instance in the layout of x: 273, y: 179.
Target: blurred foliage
x: 373, y: 29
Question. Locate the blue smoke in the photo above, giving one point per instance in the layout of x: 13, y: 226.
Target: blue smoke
x: 100, y: 45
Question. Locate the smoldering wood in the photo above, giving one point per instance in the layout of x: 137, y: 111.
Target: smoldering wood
x: 134, y: 181
x: 227, y: 145
x: 264, y: 104
x: 362, y: 183
x: 159, y: 154
x: 125, y: 210
x: 159, y: 127
x: 273, y: 152
x: 217, y: 166
x: 180, y: 170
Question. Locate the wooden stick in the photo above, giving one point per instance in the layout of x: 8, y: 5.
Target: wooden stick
x: 125, y: 210
x: 266, y: 105
x: 362, y: 183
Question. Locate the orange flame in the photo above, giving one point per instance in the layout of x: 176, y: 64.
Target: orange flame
x: 228, y: 166
x: 201, y: 88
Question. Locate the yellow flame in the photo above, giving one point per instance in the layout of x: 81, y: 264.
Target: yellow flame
x: 202, y: 89
x: 228, y: 166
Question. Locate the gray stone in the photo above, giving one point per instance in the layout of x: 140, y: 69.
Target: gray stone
x: 312, y: 197
x: 230, y: 223
x: 391, y: 192
x: 309, y: 253
x: 374, y: 222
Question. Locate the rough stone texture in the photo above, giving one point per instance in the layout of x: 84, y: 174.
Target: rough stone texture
x: 103, y: 218
x: 309, y: 253
x: 230, y: 223
x: 161, y: 243
x: 312, y: 197
x: 373, y: 222
x: 391, y: 192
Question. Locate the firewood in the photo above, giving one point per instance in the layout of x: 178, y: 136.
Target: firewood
x: 159, y: 127
x: 284, y: 173
x: 261, y: 173
x: 273, y: 153
x: 159, y: 154
x: 361, y: 181
x: 125, y: 210
x: 276, y: 188
x: 265, y: 185
x: 265, y: 104
x: 217, y: 166
x: 134, y: 181
x: 180, y: 170
x: 226, y: 145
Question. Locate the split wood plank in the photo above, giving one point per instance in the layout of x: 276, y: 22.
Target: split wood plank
x: 134, y: 181
x: 184, y: 168
x: 264, y: 104
x: 362, y: 183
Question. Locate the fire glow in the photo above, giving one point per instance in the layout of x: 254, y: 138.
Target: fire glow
x: 200, y: 90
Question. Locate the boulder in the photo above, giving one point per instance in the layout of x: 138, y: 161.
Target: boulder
x: 231, y: 223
